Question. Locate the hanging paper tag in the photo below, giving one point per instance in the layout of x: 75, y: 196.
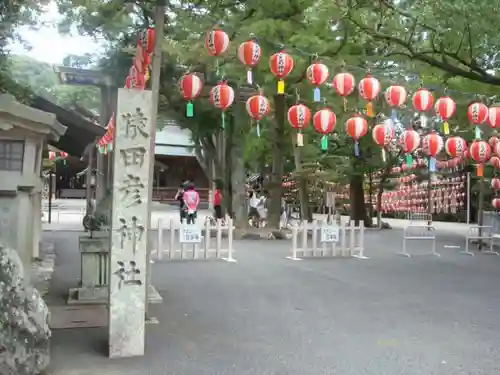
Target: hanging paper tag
x: 423, y: 120
x: 223, y: 120
x: 317, y: 94
x: 300, y: 140
x: 249, y: 77
x: 281, y: 86
x: 217, y: 70
x: 409, y: 160
x: 394, y: 115
x: 446, y: 128
x: 356, y: 148
x: 369, y: 109
x: 189, y: 109
x: 384, y: 157
x: 344, y: 101
x: 110, y: 147
x: 324, y: 143
x: 258, y: 129
x: 477, y: 130
x: 432, y: 165
x: 479, y: 170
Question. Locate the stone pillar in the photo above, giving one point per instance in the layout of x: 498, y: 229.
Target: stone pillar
x: 37, y: 223
x: 128, y: 256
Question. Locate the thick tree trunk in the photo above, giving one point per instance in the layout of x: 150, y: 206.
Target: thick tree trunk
x: 238, y: 177
x: 228, y: 165
x: 358, y: 208
x: 277, y: 172
x: 303, y: 188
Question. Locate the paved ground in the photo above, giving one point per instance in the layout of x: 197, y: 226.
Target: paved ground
x: 269, y: 315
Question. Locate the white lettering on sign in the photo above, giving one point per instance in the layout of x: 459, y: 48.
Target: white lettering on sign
x: 190, y: 234
x: 330, y: 233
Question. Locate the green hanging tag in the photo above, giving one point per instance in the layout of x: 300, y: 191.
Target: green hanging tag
x: 324, y: 143
x: 223, y: 120
x: 409, y: 160
x: 189, y: 109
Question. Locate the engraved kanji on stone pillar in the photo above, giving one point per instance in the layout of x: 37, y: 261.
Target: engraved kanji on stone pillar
x: 127, y: 286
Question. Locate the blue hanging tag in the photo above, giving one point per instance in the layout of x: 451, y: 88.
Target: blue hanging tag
x: 258, y: 130
x: 432, y: 165
x: 394, y: 115
x: 478, y: 132
x: 356, y: 148
x: 317, y: 94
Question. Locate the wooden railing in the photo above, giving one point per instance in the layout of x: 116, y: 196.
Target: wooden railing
x: 167, y: 194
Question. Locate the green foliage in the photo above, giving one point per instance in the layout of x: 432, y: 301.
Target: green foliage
x: 40, y: 78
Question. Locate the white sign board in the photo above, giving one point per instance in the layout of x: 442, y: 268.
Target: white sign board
x: 190, y: 234
x: 330, y: 233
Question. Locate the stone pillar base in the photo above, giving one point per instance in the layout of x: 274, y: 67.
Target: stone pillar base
x: 99, y: 296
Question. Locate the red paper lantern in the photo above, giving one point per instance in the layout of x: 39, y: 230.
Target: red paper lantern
x: 222, y: 96
x: 432, y: 144
x: 409, y: 141
x: 281, y: 64
x: 480, y: 151
x: 383, y: 134
x: 324, y: 121
x: 299, y: 116
x: 63, y: 155
x: 356, y: 127
x: 423, y: 100
x: 249, y: 53
x: 496, y: 150
x: 494, y: 117
x: 216, y: 42
x: 477, y: 113
x: 493, y: 141
x: 150, y: 40
x: 317, y: 74
x: 455, y: 146
x: 495, y: 183
x: 495, y: 203
x: 495, y: 162
x: 445, y: 107
x: 258, y: 106
x: 52, y: 155
x: 395, y: 95
x: 369, y: 88
x: 190, y: 86
x: 344, y: 83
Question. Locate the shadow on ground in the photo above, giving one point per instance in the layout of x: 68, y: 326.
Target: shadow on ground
x: 269, y: 315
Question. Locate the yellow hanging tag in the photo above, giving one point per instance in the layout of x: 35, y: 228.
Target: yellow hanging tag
x: 479, y: 170
x: 446, y: 128
x: 300, y: 140
x: 281, y: 87
x: 369, y: 109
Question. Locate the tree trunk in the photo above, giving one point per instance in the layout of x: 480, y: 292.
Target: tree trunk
x: 238, y: 177
x: 357, y: 195
x: 302, y: 180
x: 480, y: 208
x: 228, y: 165
x: 277, y: 172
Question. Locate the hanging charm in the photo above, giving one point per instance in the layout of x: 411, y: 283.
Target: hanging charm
x: 409, y: 160
x: 281, y: 64
x: 384, y: 157
x: 445, y: 107
x: 369, y: 89
x: 249, y: 53
x: 189, y: 109
x: 477, y: 132
x: 223, y: 118
x: 300, y: 139
x: 356, y: 148
x: 317, y: 74
x: 324, y: 143
x: 258, y: 129
x: 344, y: 84
x: 190, y: 86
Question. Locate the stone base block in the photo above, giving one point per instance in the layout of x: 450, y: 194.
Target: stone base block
x: 99, y: 296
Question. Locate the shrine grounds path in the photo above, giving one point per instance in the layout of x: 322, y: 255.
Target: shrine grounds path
x: 266, y: 315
